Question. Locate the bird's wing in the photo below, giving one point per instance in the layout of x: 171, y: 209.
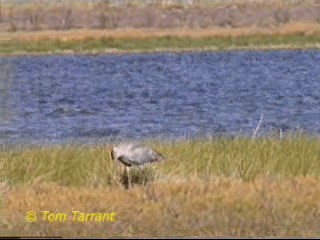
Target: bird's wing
x: 132, y: 154
x: 126, y: 161
x: 145, y: 155
x: 121, y: 150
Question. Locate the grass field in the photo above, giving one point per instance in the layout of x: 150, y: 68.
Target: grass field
x: 209, y: 187
x: 295, y: 36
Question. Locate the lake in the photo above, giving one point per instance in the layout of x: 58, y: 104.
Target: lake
x: 105, y: 98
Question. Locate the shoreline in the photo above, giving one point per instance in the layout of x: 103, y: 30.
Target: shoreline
x: 138, y: 41
x: 159, y: 51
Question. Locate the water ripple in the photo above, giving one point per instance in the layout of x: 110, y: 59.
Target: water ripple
x: 58, y: 98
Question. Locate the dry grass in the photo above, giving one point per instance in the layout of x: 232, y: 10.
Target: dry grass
x: 290, y: 36
x: 142, y: 43
x: 220, y: 187
x: 83, y: 34
x: 211, y: 208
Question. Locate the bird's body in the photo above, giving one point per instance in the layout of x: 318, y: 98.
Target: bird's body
x: 134, y: 155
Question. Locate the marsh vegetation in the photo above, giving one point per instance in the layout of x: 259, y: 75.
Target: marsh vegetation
x: 208, y: 187
x: 211, y: 187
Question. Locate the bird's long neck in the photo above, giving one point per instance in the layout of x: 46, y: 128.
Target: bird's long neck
x: 111, y: 154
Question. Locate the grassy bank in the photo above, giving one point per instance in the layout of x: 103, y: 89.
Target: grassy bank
x: 160, y: 44
x: 219, y: 187
x: 139, y: 41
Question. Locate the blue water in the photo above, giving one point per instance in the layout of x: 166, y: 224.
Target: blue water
x: 58, y: 99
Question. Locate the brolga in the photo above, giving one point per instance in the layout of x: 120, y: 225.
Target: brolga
x: 134, y: 155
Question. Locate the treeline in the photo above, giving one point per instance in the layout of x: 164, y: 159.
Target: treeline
x: 43, y: 15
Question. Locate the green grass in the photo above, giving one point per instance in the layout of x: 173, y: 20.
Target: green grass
x: 247, y: 158
x: 240, y: 158
x: 174, y: 43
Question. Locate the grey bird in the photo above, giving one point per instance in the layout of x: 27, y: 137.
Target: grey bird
x: 130, y: 154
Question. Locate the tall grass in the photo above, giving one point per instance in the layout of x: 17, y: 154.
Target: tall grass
x: 221, y: 187
x: 66, y: 165
x: 246, y: 158
x: 239, y: 158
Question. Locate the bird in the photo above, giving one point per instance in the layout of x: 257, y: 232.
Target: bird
x: 130, y: 154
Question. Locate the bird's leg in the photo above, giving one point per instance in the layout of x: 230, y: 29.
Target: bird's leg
x: 119, y: 171
x: 128, y: 174
x: 115, y: 164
